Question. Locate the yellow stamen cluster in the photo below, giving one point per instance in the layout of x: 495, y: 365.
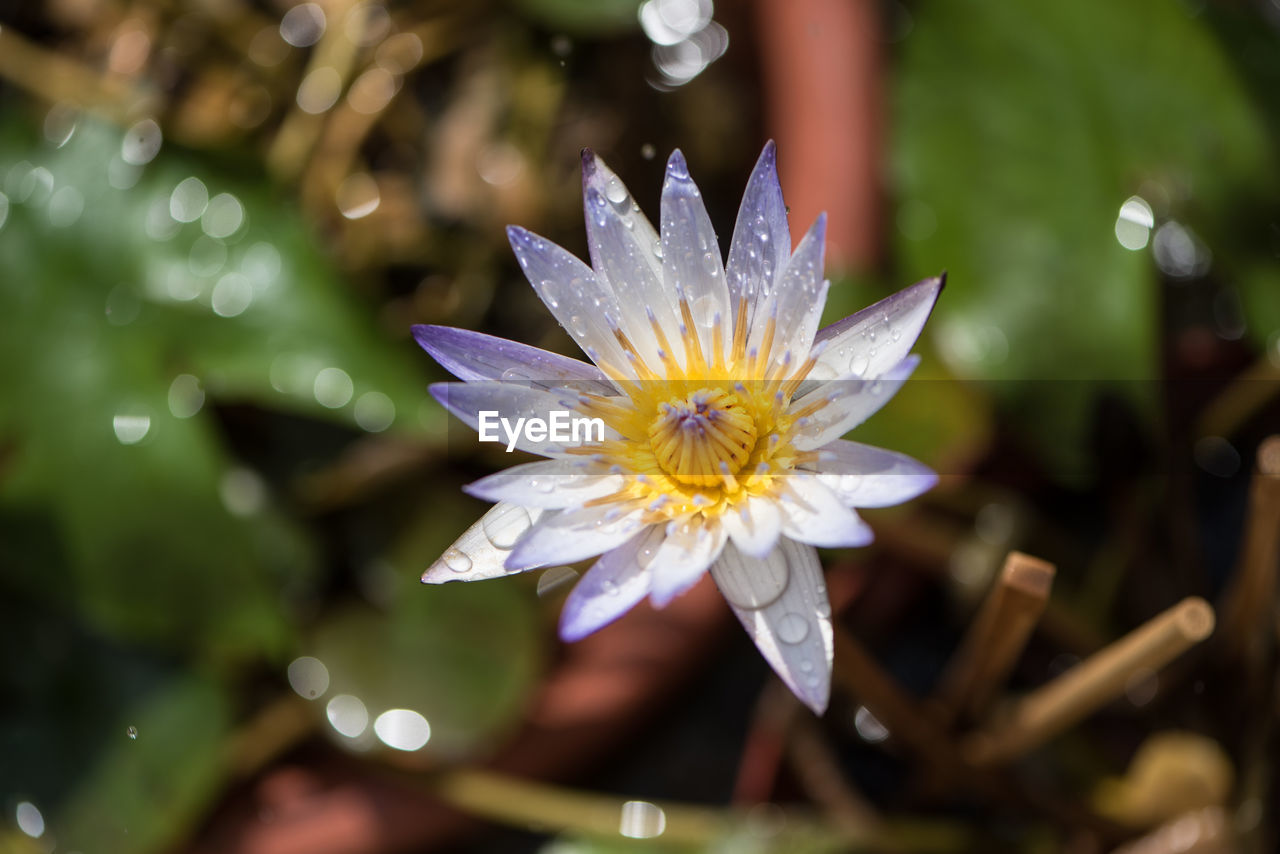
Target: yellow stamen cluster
x: 698, y: 438
x: 701, y: 435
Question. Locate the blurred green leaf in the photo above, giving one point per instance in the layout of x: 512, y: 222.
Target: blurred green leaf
x: 155, y: 778
x: 464, y: 656
x: 120, y: 321
x: 1260, y: 297
x: 1021, y: 129
x: 592, y: 18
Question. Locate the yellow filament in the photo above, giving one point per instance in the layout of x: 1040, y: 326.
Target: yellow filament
x: 700, y: 438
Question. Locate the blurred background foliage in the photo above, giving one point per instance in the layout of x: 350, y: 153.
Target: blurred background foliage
x: 219, y: 466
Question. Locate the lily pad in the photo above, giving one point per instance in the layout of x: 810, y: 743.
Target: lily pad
x: 1021, y: 130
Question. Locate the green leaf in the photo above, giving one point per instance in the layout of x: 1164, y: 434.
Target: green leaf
x: 120, y: 322
x: 1021, y: 129
x: 464, y: 656
x: 590, y: 18
x: 155, y: 779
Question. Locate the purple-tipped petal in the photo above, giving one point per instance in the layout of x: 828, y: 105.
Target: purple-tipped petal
x: 872, y: 341
x: 811, y: 513
x: 865, y: 476
x: 850, y: 401
x: 793, y: 630
x: 761, y: 242
x: 682, y: 559
x: 481, y: 552
x: 571, y: 291
x: 496, y: 411
x: 573, y: 535
x: 625, y: 256
x: 474, y: 356
x: 691, y: 262
x: 797, y: 300
x: 614, y: 585
x: 550, y: 484
x: 754, y: 525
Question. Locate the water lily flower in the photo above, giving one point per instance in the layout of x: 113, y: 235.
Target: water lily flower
x: 718, y: 407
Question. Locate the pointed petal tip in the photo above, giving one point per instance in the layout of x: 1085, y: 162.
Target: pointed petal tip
x: 440, y: 391
x: 519, y: 238
x: 423, y: 333
x: 817, y: 703
x: 570, y: 631
x: 435, y: 575
x: 589, y: 162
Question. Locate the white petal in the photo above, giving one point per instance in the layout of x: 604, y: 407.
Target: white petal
x: 686, y: 552
x: 691, y: 257
x: 492, y: 402
x: 614, y: 585
x: 874, y: 340
x: 482, y: 550
x: 750, y: 581
x: 754, y: 525
x: 761, y: 242
x: 624, y: 255
x: 797, y: 301
x: 865, y: 476
x: 570, y: 290
x: 850, y: 401
x: 793, y: 631
x: 474, y: 356
x: 811, y: 513
x: 567, y: 536
x: 550, y: 484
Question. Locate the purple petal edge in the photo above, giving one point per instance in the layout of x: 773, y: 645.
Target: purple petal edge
x: 907, y: 296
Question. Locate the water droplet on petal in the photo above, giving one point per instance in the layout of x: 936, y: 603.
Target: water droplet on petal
x: 503, y: 529
x: 456, y: 560
x: 792, y: 628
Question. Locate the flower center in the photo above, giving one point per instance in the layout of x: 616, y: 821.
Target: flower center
x: 700, y: 438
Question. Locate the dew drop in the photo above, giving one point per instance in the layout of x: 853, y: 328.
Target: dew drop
x: 792, y: 628
x: 615, y: 192
x: 503, y: 529
x: 711, y: 264
x: 456, y: 560
x: 609, y: 587
x: 859, y: 363
x: 577, y: 326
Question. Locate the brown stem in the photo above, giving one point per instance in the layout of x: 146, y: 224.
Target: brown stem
x: 996, y: 637
x: 1249, y: 605
x: 1091, y: 684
